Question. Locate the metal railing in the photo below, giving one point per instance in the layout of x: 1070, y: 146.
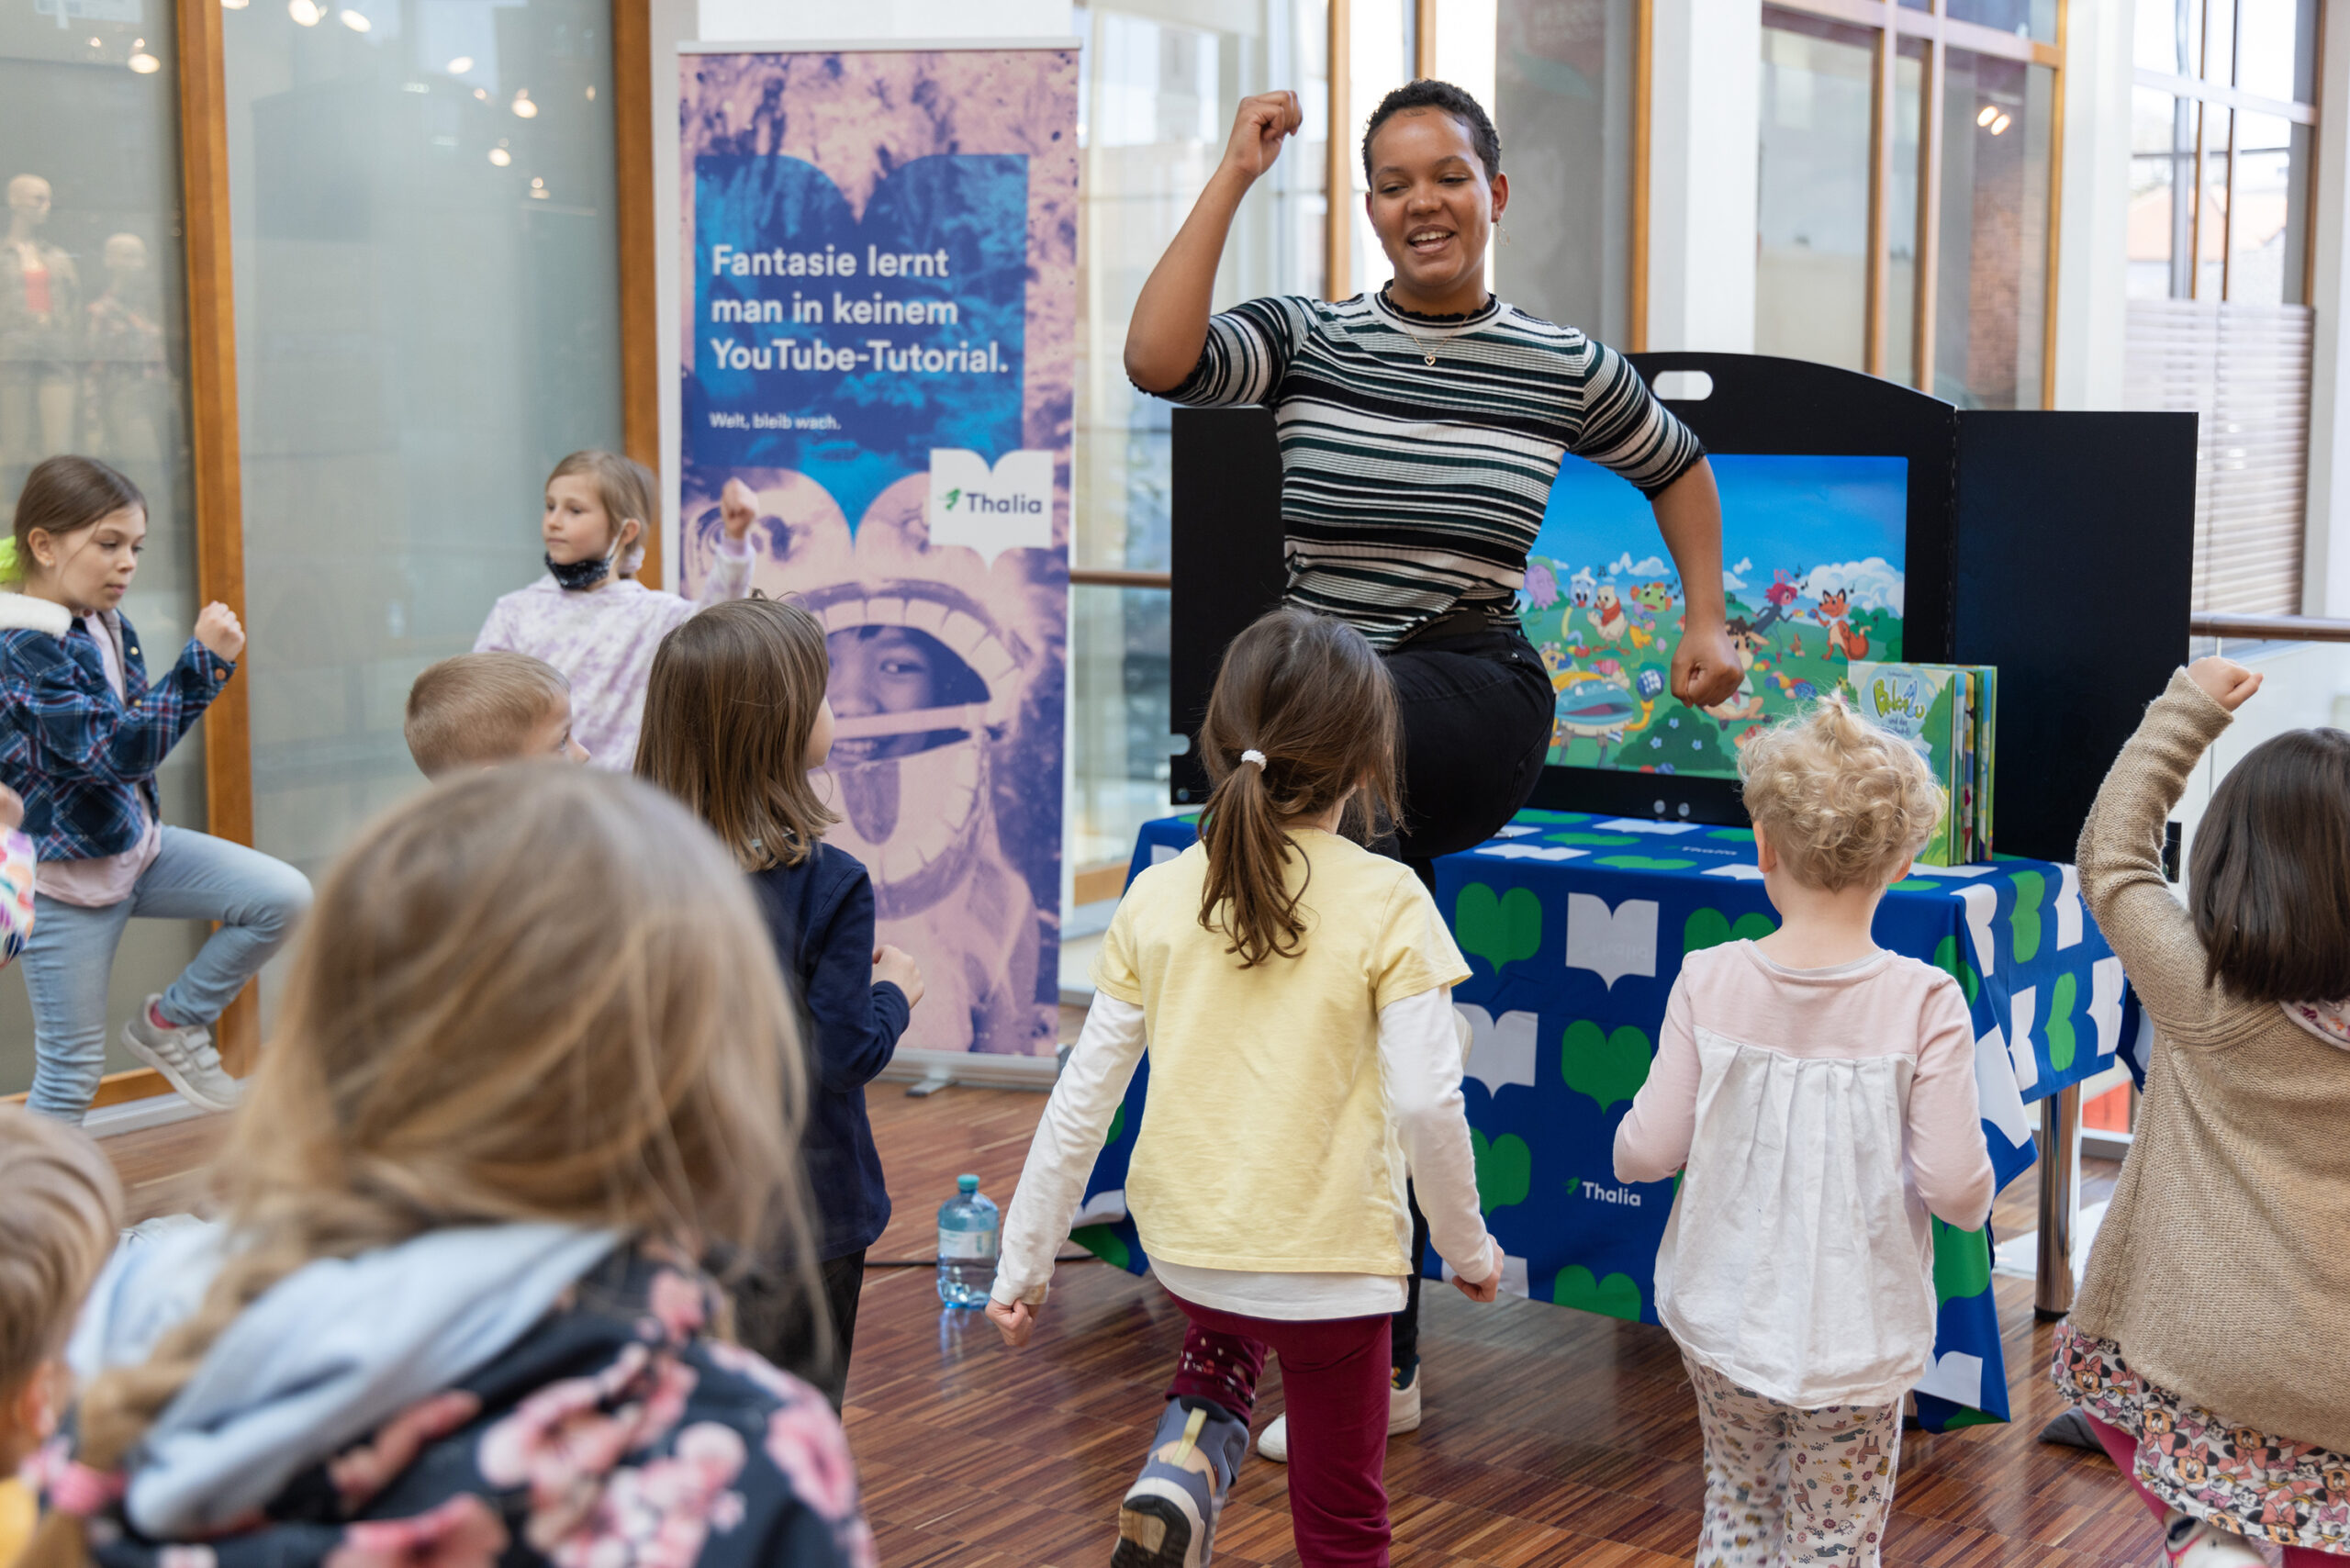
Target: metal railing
x: 1106, y: 576
x: 2269, y: 628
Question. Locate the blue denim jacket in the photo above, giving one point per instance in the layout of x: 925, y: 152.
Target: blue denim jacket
x: 85, y: 759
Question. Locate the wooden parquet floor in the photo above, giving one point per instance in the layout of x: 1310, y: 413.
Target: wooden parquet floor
x: 1551, y: 1438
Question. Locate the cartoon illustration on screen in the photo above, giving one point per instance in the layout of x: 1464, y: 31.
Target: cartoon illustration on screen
x: 1815, y: 549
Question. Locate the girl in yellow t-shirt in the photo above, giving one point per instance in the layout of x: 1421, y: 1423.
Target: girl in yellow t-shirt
x: 1295, y: 992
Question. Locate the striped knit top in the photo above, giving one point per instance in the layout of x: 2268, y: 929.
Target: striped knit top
x: 1409, y: 489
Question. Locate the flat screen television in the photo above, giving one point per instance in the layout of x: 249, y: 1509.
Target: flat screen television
x: 1814, y: 555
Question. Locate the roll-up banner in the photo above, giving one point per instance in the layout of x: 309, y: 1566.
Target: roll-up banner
x: 883, y: 248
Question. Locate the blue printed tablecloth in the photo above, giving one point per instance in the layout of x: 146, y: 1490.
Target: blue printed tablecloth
x: 1574, y: 929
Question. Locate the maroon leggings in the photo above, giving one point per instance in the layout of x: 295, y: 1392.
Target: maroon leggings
x: 1334, y: 1371
x: 2123, y: 1449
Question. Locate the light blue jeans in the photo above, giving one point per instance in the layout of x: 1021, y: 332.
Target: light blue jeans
x: 70, y: 956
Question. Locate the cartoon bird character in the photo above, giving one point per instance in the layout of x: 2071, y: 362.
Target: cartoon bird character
x: 1833, y: 612
x: 1607, y: 617
x: 1581, y: 590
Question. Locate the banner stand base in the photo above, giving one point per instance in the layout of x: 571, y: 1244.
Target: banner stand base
x: 929, y: 1072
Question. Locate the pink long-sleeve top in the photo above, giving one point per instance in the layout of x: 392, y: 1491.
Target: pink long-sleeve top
x: 603, y: 640
x: 1822, y: 1116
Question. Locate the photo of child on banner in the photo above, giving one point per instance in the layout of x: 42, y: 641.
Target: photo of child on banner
x: 883, y: 255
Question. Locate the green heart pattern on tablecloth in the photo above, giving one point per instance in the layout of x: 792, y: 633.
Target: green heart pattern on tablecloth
x: 2063, y: 1043
x: 1105, y: 1242
x: 1601, y: 840
x: 1498, y: 929
x: 1117, y: 1126
x: 1608, y: 1068
x: 2031, y: 888
x: 1643, y: 863
x: 1617, y: 1295
x: 1505, y: 1169
x: 1950, y: 959
x: 1710, y: 927
x: 1733, y: 834
x: 1962, y: 1262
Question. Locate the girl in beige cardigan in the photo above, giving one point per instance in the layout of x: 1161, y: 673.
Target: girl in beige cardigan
x: 2206, y: 1346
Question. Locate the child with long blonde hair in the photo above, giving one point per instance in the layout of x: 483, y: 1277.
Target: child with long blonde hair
x: 533, y: 1061
x: 1818, y: 1093
x: 589, y: 617
x: 1295, y: 992
x: 735, y: 722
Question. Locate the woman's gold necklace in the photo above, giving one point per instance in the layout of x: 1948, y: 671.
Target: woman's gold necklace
x: 1427, y: 353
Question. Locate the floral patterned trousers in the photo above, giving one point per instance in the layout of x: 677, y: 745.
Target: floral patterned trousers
x: 1785, y: 1485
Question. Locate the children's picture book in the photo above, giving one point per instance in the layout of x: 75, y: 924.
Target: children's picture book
x: 1947, y: 712
x: 1813, y: 551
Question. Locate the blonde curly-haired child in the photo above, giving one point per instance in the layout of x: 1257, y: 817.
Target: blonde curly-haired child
x: 1818, y: 1092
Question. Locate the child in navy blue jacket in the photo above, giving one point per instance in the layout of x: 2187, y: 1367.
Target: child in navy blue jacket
x: 735, y: 718
x: 82, y: 732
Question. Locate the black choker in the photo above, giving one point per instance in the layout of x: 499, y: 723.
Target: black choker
x: 1387, y: 298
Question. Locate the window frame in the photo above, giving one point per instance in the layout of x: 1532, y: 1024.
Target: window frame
x: 1892, y: 21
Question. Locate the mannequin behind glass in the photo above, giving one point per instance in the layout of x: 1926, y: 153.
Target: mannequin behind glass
x: 39, y: 321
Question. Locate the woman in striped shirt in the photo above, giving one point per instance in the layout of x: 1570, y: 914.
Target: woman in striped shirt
x: 1420, y: 429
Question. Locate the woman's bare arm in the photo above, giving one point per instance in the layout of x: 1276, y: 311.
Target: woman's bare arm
x: 1169, y: 325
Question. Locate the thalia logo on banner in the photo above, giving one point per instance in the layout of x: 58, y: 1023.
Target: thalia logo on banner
x: 1007, y: 508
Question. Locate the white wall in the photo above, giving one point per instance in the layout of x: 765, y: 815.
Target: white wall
x: 2325, y: 574
x: 797, y: 22
x: 2093, y: 204
x: 1705, y: 97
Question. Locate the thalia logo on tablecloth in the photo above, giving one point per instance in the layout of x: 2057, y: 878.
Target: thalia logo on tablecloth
x: 1623, y: 1195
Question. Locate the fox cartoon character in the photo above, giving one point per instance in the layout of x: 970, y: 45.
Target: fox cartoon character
x: 1833, y: 612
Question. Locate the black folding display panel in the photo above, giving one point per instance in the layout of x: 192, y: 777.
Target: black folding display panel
x: 2057, y: 546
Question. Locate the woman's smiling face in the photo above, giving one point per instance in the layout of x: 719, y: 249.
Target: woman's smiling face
x: 1433, y: 208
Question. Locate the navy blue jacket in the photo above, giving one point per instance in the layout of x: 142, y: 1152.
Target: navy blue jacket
x: 819, y: 915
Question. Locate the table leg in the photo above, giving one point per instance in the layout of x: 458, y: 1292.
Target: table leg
x: 2060, y: 1187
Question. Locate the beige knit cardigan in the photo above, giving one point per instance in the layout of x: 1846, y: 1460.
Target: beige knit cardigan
x: 2222, y: 1268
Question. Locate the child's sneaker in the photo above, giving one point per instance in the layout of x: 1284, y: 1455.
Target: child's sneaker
x: 2188, y: 1542
x: 1169, y: 1517
x: 1403, y: 1414
x: 184, y: 1055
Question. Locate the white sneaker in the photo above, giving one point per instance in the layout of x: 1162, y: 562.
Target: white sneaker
x: 1403, y: 1416
x: 187, y: 1059
x: 2189, y: 1542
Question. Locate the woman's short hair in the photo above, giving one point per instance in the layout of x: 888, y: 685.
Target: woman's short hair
x: 1843, y: 801
x: 1426, y: 93
x: 2269, y: 879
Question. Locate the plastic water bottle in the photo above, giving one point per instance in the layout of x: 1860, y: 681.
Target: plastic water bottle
x: 968, y: 1232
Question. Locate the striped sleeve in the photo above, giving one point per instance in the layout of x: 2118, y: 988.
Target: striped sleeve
x: 1628, y: 431
x: 1248, y: 352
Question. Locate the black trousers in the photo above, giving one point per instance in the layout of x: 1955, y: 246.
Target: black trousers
x: 1476, y: 713
x: 773, y: 1318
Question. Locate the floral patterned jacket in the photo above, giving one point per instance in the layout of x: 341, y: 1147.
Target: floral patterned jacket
x: 618, y: 1434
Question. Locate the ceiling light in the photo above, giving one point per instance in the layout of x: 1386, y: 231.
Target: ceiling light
x: 499, y: 156
x: 2000, y: 124
x: 1990, y: 112
x: 234, y: 5
x: 460, y: 65
x: 591, y: 95
x: 305, y: 12
x: 523, y: 107
x: 145, y: 64
x: 482, y: 93
x: 356, y: 21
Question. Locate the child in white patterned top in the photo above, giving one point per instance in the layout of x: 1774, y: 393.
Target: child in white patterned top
x: 1820, y: 1093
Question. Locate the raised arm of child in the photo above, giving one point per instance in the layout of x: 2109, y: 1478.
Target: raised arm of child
x: 729, y: 565
x: 1076, y: 1121
x: 78, y: 732
x: 1421, y: 1053
x: 2121, y: 852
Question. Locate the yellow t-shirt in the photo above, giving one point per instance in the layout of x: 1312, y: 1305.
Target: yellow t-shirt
x: 1266, y: 1142
x: 18, y: 1515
